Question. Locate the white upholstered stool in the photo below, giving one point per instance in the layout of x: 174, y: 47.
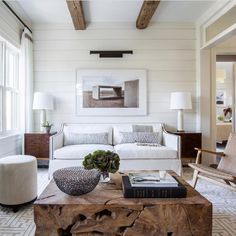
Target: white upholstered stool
x: 18, y: 180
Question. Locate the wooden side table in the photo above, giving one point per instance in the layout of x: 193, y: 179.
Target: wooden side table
x: 37, y: 144
x: 189, y: 141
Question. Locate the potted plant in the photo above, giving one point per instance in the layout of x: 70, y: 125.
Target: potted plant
x: 105, y: 161
x: 47, y: 126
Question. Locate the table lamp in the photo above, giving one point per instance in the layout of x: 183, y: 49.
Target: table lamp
x: 42, y: 101
x: 180, y: 101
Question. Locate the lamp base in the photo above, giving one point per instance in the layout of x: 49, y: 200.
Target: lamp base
x: 42, y: 119
x: 180, y: 126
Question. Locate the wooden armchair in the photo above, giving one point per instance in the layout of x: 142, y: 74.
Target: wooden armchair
x: 225, y: 174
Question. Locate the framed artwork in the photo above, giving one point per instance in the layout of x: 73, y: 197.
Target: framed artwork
x: 111, y: 92
x: 220, y: 97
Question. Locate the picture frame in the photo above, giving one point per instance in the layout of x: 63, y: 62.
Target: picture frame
x: 220, y: 97
x: 111, y: 92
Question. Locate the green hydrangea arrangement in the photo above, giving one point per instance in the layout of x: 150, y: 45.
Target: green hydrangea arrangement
x: 105, y: 161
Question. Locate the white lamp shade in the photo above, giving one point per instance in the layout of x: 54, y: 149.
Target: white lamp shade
x: 42, y: 101
x: 180, y: 100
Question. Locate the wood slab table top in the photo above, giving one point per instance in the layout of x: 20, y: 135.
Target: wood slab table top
x: 105, y: 211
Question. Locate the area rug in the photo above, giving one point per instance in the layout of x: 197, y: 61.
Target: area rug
x: 224, y: 207
x: 224, y: 210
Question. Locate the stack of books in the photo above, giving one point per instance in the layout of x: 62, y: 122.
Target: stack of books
x: 151, y: 185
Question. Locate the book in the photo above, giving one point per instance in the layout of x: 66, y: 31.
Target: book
x: 152, y: 179
x: 129, y: 191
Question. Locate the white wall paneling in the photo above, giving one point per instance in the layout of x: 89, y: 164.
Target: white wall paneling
x: 166, y: 51
x: 10, y: 145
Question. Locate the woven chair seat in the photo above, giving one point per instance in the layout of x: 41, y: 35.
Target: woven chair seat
x: 213, y: 172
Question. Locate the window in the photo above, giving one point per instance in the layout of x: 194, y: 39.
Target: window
x: 9, y: 88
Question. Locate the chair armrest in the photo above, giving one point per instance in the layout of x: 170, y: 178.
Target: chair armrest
x: 207, y: 151
x: 172, y: 141
x: 56, y: 141
x: 211, y: 152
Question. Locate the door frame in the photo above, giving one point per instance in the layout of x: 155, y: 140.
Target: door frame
x: 220, y: 51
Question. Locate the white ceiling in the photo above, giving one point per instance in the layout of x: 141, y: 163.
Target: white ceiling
x: 56, y: 11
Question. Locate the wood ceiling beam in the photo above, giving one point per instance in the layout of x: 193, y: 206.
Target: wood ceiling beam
x: 77, y: 14
x: 147, y: 11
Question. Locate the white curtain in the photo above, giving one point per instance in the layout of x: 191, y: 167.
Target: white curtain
x: 26, y: 73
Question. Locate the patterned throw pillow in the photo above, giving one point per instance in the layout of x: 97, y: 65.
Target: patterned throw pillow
x: 139, y: 137
x: 87, y: 138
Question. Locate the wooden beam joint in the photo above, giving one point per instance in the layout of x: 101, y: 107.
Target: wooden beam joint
x: 77, y: 13
x: 147, y: 11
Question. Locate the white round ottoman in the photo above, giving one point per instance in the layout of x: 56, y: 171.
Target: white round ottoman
x: 18, y: 180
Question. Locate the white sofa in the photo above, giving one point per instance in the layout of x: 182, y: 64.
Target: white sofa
x: 132, y: 156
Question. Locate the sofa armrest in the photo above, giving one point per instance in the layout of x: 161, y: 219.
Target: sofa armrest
x: 172, y: 141
x: 56, y: 141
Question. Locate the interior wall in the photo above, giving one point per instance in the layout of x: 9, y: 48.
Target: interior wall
x: 10, y: 145
x: 166, y: 51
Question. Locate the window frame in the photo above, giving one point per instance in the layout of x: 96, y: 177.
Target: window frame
x: 15, y: 91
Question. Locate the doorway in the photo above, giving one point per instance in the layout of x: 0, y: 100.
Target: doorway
x: 225, y: 99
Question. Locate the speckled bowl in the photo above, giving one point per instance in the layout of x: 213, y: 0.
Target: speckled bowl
x: 76, y: 181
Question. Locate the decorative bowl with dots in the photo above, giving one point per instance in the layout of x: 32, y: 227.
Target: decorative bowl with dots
x: 76, y: 181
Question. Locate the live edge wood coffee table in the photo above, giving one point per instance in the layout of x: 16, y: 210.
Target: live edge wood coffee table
x: 104, y: 211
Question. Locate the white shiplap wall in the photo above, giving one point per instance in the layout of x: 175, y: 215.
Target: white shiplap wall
x: 10, y: 145
x: 166, y: 51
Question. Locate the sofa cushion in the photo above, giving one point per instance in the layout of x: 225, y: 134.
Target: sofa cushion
x: 141, y: 137
x: 83, y: 138
x: 134, y: 151
x: 86, y: 129
x: 78, y: 152
x: 157, y: 127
